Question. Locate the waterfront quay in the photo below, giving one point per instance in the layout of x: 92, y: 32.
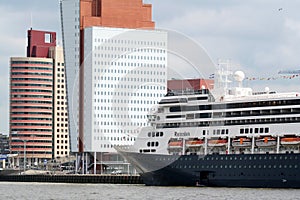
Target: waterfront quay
x: 74, y: 178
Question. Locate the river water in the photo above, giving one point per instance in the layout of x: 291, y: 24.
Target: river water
x: 56, y: 191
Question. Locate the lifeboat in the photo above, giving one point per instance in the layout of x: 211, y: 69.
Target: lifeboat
x: 175, y: 144
x: 241, y: 142
x: 290, y: 141
x: 265, y: 142
x: 217, y: 143
x: 194, y: 143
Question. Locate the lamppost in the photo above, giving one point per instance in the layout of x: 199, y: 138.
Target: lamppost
x: 24, y: 141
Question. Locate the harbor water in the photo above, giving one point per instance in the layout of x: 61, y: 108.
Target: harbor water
x: 63, y: 191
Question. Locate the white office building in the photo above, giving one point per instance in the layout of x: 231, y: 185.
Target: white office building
x: 125, y: 75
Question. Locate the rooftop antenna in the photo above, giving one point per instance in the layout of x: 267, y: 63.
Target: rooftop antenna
x: 30, y: 20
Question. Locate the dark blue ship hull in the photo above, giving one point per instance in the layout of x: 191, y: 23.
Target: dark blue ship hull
x: 235, y: 170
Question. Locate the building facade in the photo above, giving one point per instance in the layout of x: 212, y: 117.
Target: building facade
x: 70, y: 16
x: 116, y: 68
x: 4, y: 144
x: 61, y: 143
x: 31, y: 108
x: 125, y: 74
x: 38, y: 103
x: 78, y: 18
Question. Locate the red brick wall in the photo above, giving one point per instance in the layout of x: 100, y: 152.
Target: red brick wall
x: 36, y: 43
x: 116, y: 13
x: 195, y: 84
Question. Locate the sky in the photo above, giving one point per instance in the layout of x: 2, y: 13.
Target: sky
x: 258, y: 37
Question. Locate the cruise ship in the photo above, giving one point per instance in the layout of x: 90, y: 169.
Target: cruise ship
x: 229, y: 136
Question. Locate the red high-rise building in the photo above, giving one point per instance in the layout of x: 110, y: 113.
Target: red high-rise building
x: 34, y: 82
x: 31, y: 105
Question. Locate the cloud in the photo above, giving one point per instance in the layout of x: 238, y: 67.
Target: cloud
x: 16, y: 20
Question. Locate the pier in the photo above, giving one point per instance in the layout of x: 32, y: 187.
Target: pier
x: 74, y: 178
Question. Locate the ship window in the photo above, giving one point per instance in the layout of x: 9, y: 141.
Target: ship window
x: 203, y: 132
x: 266, y: 130
x: 247, y: 130
x: 256, y: 130
x: 149, y: 134
x: 148, y: 144
x: 161, y: 134
x: 251, y: 130
x: 261, y: 130
x: 190, y: 116
x: 242, y: 131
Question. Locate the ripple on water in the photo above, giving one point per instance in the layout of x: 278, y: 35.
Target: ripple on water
x: 48, y: 191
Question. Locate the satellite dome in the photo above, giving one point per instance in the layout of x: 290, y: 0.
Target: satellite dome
x: 267, y: 89
x: 239, y: 76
